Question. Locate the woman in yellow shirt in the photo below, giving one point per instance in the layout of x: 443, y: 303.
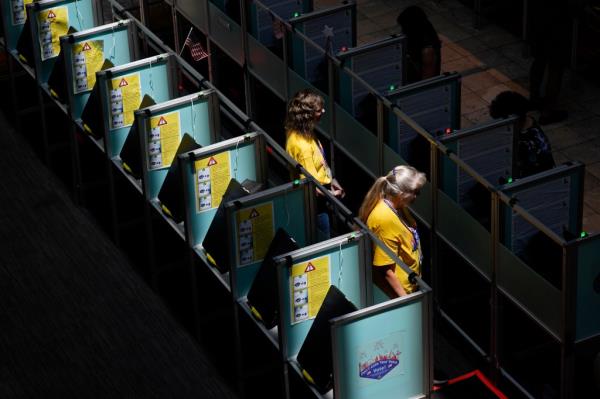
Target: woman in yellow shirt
x: 303, y: 114
x: 385, y: 211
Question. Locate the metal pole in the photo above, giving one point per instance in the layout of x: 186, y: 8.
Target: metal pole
x: 568, y: 322
x: 249, y: 97
x: 495, y: 234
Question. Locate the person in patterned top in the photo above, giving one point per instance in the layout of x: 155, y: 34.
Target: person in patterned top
x: 534, y: 152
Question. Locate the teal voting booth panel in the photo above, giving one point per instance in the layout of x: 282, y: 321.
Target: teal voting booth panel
x: 14, y: 16
x: 434, y: 104
x: 489, y: 149
x: 380, y: 64
x: 239, y: 158
x: 588, y: 288
x: 262, y: 22
x: 115, y: 42
x: 163, y: 125
x: 252, y: 222
x: 344, y: 256
x: 122, y: 89
x: 384, y: 351
x: 554, y: 197
x: 332, y: 29
x: 51, y: 19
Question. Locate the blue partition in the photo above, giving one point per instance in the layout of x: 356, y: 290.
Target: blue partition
x: 588, y: 288
x: 240, y: 158
x: 166, y: 123
x: 51, y: 19
x: 115, y: 42
x: 554, y: 197
x: 122, y: 89
x: 489, y: 149
x: 253, y: 220
x: 384, y: 351
x: 261, y: 21
x: 14, y: 16
x: 435, y: 105
x: 380, y: 64
x: 345, y: 257
x: 333, y: 29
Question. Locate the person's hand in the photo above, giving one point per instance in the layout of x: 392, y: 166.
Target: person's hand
x: 336, y: 189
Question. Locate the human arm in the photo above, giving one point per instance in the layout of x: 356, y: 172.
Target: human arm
x: 336, y: 189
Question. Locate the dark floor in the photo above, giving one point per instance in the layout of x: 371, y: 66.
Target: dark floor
x: 76, y: 321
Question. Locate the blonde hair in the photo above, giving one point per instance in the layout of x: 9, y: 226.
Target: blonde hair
x: 301, y: 112
x: 403, y: 180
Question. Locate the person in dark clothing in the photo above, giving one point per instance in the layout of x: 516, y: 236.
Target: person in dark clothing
x: 423, y: 53
x: 534, y: 153
x: 550, y: 35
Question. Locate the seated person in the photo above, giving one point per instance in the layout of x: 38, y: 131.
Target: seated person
x: 534, y: 153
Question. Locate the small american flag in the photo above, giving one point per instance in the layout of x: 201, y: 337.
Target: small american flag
x: 196, y: 50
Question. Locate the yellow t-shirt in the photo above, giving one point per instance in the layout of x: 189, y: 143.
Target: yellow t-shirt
x: 388, y: 227
x: 309, y: 154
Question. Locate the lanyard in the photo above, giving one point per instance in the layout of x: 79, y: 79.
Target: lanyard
x: 413, y: 231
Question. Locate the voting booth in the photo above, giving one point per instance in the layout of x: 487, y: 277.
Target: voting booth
x: 51, y: 19
x: 332, y: 29
x: 161, y: 128
x: 384, y: 348
x: 381, y: 64
x: 490, y: 149
x: 263, y: 24
x: 84, y: 53
x: 434, y: 104
x: 206, y: 175
x: 121, y: 91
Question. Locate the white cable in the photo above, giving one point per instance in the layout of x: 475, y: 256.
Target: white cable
x: 114, y: 45
x: 151, y: 83
x: 235, y: 161
x: 79, y: 16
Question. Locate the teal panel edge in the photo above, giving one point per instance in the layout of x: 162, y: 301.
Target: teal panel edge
x: 588, y: 288
x: 382, y: 355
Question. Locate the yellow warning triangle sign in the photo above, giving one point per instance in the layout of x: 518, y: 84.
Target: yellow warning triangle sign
x: 309, y: 268
x: 86, y: 47
x: 254, y: 213
x: 51, y: 14
x: 211, y: 162
x: 123, y: 83
x: 162, y: 121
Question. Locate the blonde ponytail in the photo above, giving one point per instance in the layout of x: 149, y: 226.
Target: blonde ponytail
x: 374, y: 195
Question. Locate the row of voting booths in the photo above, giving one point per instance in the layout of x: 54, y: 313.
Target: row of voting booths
x: 220, y: 209
x: 521, y: 253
